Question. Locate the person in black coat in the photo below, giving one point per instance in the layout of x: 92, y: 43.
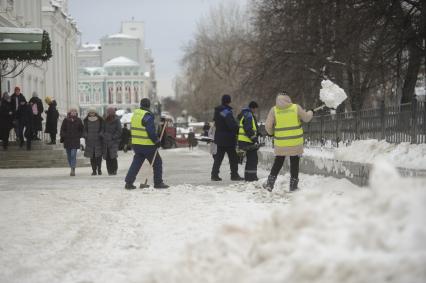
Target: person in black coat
x: 125, y: 138
x: 226, y: 139
x: 38, y: 109
x: 28, y: 124
x: 6, y: 119
x: 18, y: 104
x: 71, y: 132
x: 52, y: 116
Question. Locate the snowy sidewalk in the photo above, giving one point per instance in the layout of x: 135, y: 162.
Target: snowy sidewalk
x: 55, y: 228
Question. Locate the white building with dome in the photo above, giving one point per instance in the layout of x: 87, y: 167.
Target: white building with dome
x: 118, y: 72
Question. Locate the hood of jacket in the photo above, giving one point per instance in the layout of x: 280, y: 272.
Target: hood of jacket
x: 283, y: 101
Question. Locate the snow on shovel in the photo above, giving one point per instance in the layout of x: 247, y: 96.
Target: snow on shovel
x: 331, y: 94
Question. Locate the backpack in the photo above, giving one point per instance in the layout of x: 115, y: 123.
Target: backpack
x: 35, y: 109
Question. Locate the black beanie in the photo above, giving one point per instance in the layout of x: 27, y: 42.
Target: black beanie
x: 226, y: 99
x: 253, y: 104
x: 145, y: 103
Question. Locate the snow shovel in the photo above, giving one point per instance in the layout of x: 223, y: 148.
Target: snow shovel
x: 331, y: 94
x: 145, y: 184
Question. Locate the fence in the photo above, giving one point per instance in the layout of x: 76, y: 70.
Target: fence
x: 395, y: 124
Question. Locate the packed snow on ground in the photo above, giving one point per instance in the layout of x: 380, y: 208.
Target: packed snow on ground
x: 56, y: 228
x: 331, y: 94
x: 328, y: 233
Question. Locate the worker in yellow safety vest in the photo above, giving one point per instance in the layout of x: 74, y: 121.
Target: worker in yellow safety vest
x: 248, y: 140
x: 145, y: 144
x: 284, y: 123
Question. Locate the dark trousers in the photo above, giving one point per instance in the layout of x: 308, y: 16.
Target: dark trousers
x: 279, y: 162
x: 141, y: 153
x: 218, y: 158
x: 111, y: 164
x: 250, y: 173
x: 5, y: 137
x: 19, y: 131
x: 52, y: 137
x: 96, y: 163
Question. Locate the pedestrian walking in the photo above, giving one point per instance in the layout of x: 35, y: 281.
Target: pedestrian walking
x: 111, y: 140
x: 93, y: 132
x: 6, y: 119
x: 206, y: 129
x: 225, y: 139
x: 145, y: 144
x: 71, y: 132
x: 18, y: 104
x: 125, y: 138
x: 28, y: 124
x: 52, y: 116
x: 191, y: 139
x: 284, y: 122
x: 37, y: 109
x: 248, y: 140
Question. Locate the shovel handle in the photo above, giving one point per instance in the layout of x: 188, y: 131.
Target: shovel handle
x: 319, y: 107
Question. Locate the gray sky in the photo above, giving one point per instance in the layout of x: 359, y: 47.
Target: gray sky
x: 169, y: 25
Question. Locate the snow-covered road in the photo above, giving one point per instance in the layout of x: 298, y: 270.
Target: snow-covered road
x: 54, y: 228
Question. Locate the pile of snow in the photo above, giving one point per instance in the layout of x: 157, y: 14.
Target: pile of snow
x: 331, y: 94
x: 369, y: 151
x: 363, y: 235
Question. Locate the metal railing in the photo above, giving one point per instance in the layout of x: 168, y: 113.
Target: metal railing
x: 395, y: 124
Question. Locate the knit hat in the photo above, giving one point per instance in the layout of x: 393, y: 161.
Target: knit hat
x: 226, y: 99
x: 145, y: 103
x: 253, y: 105
x: 91, y: 110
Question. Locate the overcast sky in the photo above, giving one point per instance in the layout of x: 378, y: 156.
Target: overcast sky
x: 169, y: 25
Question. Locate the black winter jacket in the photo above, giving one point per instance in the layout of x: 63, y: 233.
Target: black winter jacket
x: 226, y: 126
x: 18, y: 110
x: 71, y: 132
x: 52, y: 116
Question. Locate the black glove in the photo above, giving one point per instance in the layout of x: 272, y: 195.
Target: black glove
x: 255, y: 139
x: 158, y: 144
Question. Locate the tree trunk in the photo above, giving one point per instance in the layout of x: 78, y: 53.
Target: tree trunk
x: 414, y: 62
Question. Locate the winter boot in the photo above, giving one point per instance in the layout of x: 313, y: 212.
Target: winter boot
x: 237, y: 178
x: 99, y: 172
x: 293, y: 184
x: 161, y: 186
x: 216, y: 178
x: 94, y: 173
x: 72, y: 172
x: 269, y: 185
x: 129, y: 186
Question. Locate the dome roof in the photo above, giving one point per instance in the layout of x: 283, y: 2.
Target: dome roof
x: 121, y: 62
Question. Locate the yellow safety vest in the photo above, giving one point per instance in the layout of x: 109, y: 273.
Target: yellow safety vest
x: 288, y: 128
x: 138, y: 131
x: 242, y: 136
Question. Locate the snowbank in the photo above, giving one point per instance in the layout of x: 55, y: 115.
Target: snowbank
x: 331, y: 94
x: 362, y: 235
x: 369, y: 151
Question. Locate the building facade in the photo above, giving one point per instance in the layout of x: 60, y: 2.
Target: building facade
x: 58, y: 76
x: 119, y: 72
